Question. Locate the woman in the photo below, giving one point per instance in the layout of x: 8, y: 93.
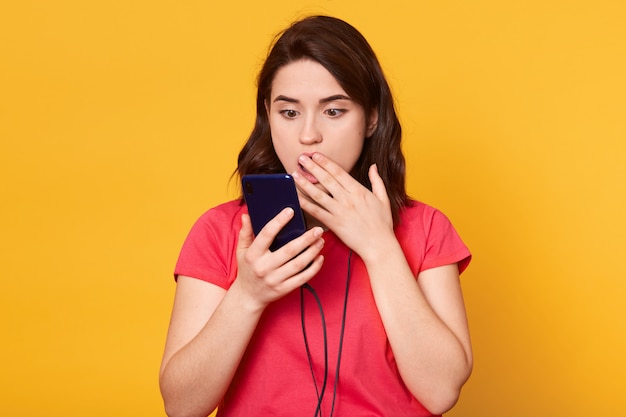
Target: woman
x: 361, y: 315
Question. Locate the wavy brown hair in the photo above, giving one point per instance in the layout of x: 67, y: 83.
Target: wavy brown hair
x: 347, y: 55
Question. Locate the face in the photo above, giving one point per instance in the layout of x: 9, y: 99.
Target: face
x: 309, y: 112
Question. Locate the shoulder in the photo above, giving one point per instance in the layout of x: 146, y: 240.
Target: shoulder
x: 225, y: 212
x: 219, y: 224
x: 221, y: 220
x: 418, y: 216
x: 208, y: 252
x: 429, y: 239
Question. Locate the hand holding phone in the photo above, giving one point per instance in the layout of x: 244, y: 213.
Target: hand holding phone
x: 266, y: 195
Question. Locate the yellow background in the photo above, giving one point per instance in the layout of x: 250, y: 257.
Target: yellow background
x: 120, y: 123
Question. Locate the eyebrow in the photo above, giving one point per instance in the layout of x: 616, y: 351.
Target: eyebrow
x: 322, y: 100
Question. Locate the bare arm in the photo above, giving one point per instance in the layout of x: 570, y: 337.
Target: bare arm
x: 427, y: 328
x: 196, y: 368
x: 210, y: 327
x: 424, y: 319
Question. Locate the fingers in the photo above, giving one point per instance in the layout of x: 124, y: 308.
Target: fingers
x: 301, y: 251
x: 304, y: 274
x: 301, y: 258
x: 334, y: 182
x: 332, y: 176
x: 267, y: 276
x: 337, y: 183
x: 291, y: 258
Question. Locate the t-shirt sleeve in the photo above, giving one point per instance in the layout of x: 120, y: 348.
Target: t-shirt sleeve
x: 208, y: 252
x: 443, y: 244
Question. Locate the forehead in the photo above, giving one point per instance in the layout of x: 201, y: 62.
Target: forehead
x: 305, y: 77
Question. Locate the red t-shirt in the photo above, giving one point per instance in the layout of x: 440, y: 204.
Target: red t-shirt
x: 274, y: 377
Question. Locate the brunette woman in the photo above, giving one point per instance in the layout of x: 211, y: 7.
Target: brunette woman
x: 363, y: 314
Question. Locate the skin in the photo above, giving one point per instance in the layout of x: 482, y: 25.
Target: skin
x: 318, y: 133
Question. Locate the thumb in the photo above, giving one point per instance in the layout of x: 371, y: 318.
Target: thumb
x: 246, y: 236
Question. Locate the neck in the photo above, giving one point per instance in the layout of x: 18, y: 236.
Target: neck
x: 313, y: 222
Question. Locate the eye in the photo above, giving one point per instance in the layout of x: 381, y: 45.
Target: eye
x: 289, y: 114
x: 334, y: 112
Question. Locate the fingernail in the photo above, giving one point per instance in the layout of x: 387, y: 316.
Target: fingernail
x: 318, y: 231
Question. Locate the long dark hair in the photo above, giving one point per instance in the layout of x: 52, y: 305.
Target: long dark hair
x: 346, y: 54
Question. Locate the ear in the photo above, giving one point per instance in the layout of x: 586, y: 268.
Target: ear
x: 372, y: 123
x: 267, y: 107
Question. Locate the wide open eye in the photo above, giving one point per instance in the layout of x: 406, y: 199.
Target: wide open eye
x: 334, y: 112
x: 289, y: 114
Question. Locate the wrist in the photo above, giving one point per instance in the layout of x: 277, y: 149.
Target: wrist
x: 381, y: 251
x: 245, y: 300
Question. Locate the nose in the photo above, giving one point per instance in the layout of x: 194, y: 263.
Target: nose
x: 310, y: 132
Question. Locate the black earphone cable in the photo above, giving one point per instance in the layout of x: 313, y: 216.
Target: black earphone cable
x: 320, y: 392
x: 343, y: 328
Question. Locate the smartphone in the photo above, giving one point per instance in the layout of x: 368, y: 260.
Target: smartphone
x: 266, y: 195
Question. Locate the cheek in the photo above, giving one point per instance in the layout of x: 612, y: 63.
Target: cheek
x: 349, y: 155
x: 283, y: 153
x: 280, y: 134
